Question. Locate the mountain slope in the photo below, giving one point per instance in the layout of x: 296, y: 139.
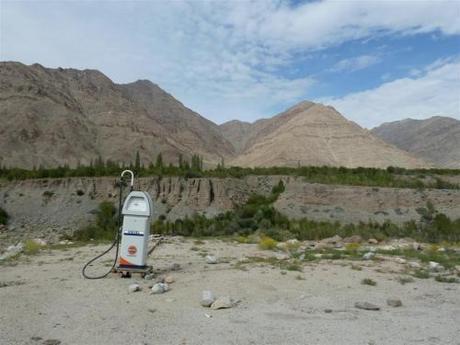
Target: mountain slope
x: 61, y: 116
x: 436, y: 140
x: 313, y: 134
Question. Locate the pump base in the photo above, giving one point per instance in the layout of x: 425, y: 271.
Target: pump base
x: 124, y: 269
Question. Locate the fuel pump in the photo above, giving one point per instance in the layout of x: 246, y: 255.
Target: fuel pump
x: 134, y: 218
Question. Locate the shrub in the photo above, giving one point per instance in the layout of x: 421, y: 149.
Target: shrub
x: 3, y: 216
x: 105, y: 226
x: 405, y: 280
x: 267, y: 243
x: 443, y: 279
x: 421, y: 274
x: 31, y: 247
x: 368, y: 281
x: 48, y: 194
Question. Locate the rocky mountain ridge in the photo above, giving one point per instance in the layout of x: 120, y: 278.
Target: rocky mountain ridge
x: 61, y: 116
x: 435, y: 140
x: 53, y: 117
x: 312, y: 134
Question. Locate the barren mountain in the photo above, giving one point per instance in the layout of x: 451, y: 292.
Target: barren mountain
x: 312, y: 134
x: 436, y: 140
x: 61, y: 116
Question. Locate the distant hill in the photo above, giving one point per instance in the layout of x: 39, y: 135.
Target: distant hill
x: 51, y: 117
x: 311, y: 134
x: 436, y: 140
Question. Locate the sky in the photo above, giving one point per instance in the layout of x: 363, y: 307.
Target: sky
x: 374, y: 61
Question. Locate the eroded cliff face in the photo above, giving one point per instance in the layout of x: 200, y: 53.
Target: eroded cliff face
x: 57, y: 206
x: 52, y: 207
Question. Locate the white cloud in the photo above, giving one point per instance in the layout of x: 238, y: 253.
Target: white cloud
x: 355, y: 63
x: 222, y: 59
x: 435, y: 91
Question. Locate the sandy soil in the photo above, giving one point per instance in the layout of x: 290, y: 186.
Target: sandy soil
x: 53, y: 302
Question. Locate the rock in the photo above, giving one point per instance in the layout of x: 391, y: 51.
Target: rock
x: 149, y: 276
x: 207, y: 298
x: 281, y: 245
x: 332, y: 240
x: 160, y: 288
x: 51, y: 342
x: 387, y: 248
x: 134, y: 287
x: 169, y: 279
x: 372, y: 241
x: 328, y: 311
x: 211, y: 260
x: 368, y: 256
x: 40, y: 242
x: 400, y: 260
x: 282, y: 256
x: 441, y: 250
x: 223, y: 302
x: 394, y: 302
x: 366, y: 306
x: 414, y: 264
x: 417, y: 246
x: 12, y: 251
x: 175, y: 267
x: 435, y: 266
x: 292, y: 242
x: 353, y: 239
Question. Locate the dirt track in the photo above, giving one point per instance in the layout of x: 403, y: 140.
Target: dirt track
x: 53, y: 301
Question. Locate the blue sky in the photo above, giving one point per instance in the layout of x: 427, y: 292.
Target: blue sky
x: 375, y: 61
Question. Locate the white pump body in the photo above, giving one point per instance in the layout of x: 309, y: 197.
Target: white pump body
x: 135, y: 231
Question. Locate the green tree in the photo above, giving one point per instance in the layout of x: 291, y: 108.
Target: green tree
x: 137, y: 163
x: 3, y: 216
x: 159, y: 161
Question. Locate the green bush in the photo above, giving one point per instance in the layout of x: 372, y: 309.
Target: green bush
x: 3, y: 216
x: 105, y: 226
x: 31, y: 247
x: 267, y: 243
x: 259, y: 216
x: 390, y: 177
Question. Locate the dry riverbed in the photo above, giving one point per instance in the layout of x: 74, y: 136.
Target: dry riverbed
x: 277, y: 299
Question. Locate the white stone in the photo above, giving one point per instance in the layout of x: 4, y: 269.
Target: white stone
x: 40, y: 242
x: 368, y: 256
x: 169, y: 279
x: 394, y: 302
x: 414, y: 264
x: 435, y: 266
x: 134, y: 287
x: 281, y: 256
x: 387, y: 247
x: 160, y: 288
x: 400, y: 260
x: 207, y: 298
x: 210, y: 259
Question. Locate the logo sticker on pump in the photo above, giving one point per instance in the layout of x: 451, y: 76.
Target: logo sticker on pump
x: 132, y: 250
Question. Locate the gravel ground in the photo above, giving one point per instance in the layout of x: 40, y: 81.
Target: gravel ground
x: 46, y: 301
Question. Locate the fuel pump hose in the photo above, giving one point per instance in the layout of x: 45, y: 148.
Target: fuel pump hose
x: 116, y: 242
